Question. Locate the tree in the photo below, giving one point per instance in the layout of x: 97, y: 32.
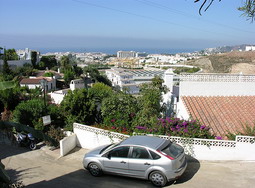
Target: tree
x: 6, y: 69
x: 69, y: 75
x: 96, y: 76
x: 29, y: 112
x: 119, y: 110
x: 248, y: 7
x: 33, y: 58
x: 157, y: 82
x: 1, y: 54
x: 149, y: 104
x: 10, y: 54
x: 77, y: 106
x: 26, y: 70
x: 48, y: 61
x: 9, y: 97
x: 78, y: 70
x: 97, y: 93
x: 65, y: 63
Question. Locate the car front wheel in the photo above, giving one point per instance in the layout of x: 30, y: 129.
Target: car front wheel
x: 94, y: 169
x: 158, y: 179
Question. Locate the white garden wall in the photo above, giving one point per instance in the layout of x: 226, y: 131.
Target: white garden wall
x: 67, y: 144
x: 243, y: 148
x: 90, y: 137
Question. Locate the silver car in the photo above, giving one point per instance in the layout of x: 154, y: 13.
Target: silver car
x: 145, y: 157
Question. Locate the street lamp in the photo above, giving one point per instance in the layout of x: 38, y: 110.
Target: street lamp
x: 43, y: 84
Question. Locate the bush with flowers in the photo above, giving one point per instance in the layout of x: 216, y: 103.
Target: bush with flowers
x: 165, y: 126
x: 177, y: 127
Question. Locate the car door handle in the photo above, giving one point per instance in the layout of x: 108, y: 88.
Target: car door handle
x: 123, y: 162
x: 147, y: 164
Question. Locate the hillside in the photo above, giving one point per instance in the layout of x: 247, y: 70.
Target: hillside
x: 231, y: 62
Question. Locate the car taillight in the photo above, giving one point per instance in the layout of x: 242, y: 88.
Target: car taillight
x: 169, y: 157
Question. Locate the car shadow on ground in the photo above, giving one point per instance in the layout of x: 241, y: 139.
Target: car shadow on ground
x: 192, y: 168
x: 82, y: 178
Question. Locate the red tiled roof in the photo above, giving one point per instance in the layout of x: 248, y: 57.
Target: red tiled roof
x: 35, y: 80
x: 222, y: 114
x: 30, y: 81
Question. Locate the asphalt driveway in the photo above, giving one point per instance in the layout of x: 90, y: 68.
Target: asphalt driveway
x: 44, y: 168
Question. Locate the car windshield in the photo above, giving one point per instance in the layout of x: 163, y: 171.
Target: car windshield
x: 173, y: 150
x: 108, y: 147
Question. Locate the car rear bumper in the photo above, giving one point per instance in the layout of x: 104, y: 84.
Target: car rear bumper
x: 177, y: 173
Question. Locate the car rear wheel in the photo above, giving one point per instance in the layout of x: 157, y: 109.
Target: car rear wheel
x: 158, y: 179
x: 94, y: 169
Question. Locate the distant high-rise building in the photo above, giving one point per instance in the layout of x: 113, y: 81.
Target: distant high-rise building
x: 141, y: 54
x: 126, y: 54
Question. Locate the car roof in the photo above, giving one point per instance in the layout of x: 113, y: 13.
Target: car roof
x: 148, y: 141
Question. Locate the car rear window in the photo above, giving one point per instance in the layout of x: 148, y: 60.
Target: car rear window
x: 173, y: 150
x: 154, y: 155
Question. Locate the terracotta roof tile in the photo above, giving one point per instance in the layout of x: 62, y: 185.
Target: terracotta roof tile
x: 30, y: 81
x: 34, y: 80
x: 222, y: 113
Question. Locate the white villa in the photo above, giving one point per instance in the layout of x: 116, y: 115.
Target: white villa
x: 39, y: 82
x: 58, y: 96
x: 224, y: 102
x: 130, y: 79
x: 122, y: 80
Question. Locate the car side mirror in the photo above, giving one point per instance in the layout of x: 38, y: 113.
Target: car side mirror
x: 107, y: 155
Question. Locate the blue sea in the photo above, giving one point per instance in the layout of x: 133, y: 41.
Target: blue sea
x: 114, y: 50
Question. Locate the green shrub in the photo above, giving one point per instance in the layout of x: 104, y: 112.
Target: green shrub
x: 55, y: 133
x: 48, y: 74
x: 177, y: 127
x: 247, y: 130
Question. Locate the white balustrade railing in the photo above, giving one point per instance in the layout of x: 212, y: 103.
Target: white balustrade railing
x: 217, y: 78
x: 243, y: 148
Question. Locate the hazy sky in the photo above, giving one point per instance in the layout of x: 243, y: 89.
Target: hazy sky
x: 122, y: 23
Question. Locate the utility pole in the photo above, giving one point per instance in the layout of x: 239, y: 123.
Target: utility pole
x: 43, y: 83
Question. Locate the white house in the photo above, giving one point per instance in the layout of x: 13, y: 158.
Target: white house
x: 249, y: 48
x: 58, y: 96
x: 132, y: 78
x: 39, y: 82
x: 224, y: 102
x: 122, y: 80
x: 77, y: 84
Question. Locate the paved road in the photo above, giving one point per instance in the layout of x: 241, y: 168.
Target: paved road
x: 44, y: 168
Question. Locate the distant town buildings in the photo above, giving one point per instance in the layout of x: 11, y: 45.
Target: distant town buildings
x: 24, y: 58
x: 131, y: 54
x: 126, y: 54
x: 122, y: 80
x: 26, y: 54
x: 130, y: 79
x: 250, y: 48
